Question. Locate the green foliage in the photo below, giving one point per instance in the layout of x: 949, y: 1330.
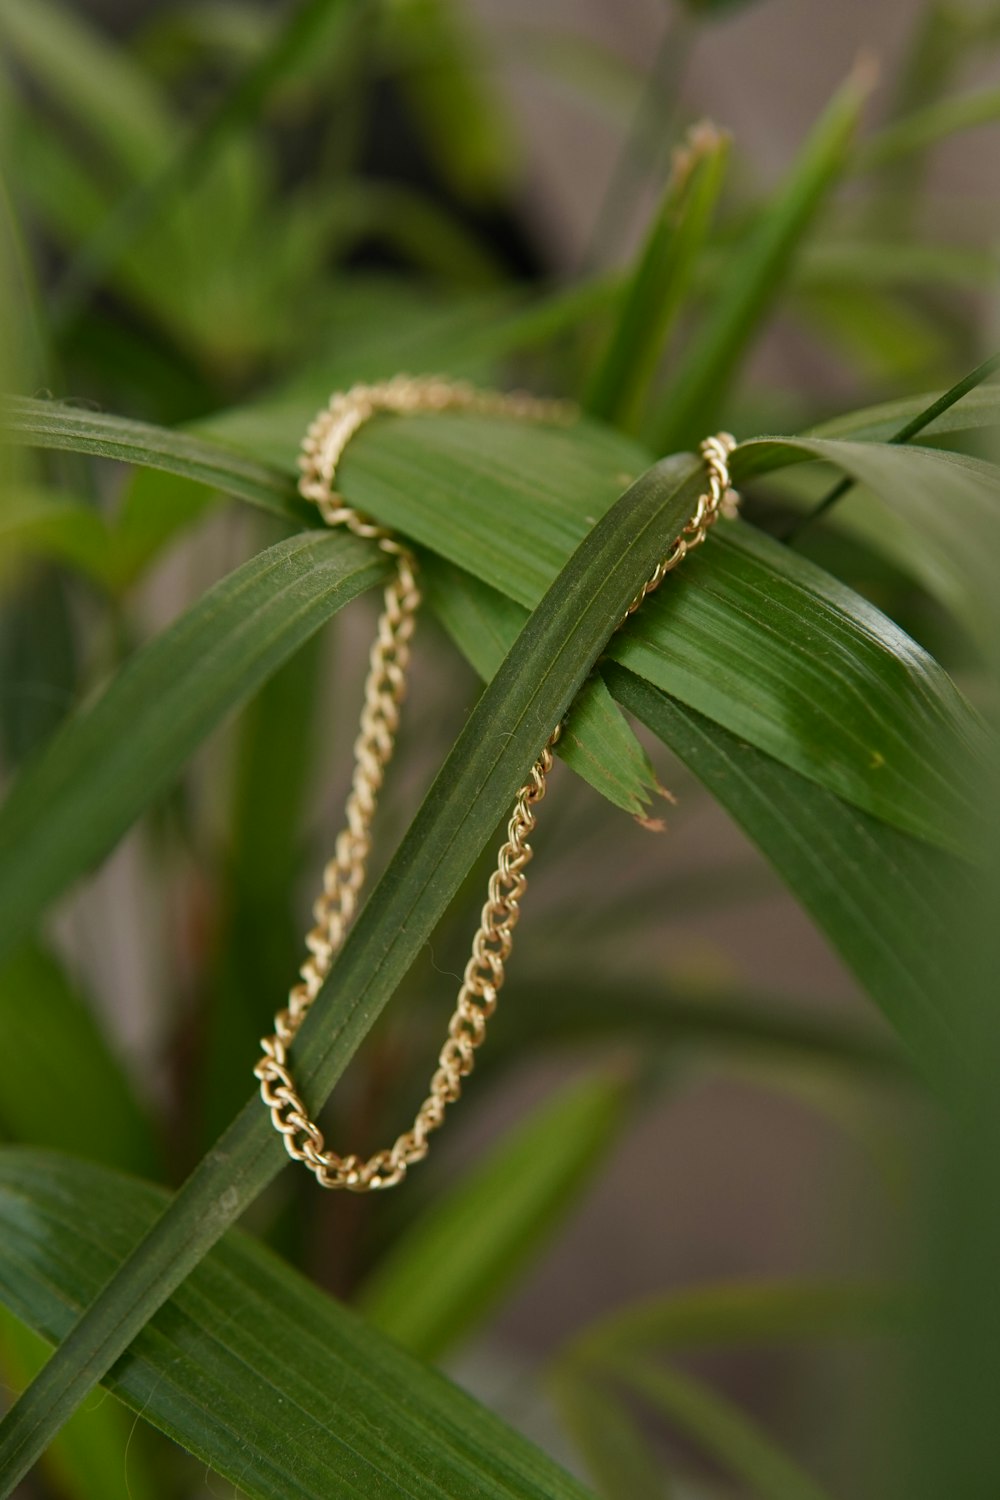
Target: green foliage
x: 195, y: 250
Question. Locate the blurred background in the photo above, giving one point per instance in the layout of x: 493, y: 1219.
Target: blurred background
x: 418, y: 171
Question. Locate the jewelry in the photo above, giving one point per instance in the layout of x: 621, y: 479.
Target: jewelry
x: 344, y: 876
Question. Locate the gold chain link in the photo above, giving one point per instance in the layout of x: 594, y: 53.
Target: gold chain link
x: 344, y: 875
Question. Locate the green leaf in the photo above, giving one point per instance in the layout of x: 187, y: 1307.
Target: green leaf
x: 653, y: 295
x: 884, y: 900
x: 573, y: 1008
x: 449, y: 90
x: 447, y: 1271
x: 779, y: 652
x: 114, y: 756
x: 42, y: 523
x: 947, y: 504
x: 917, y: 424
x: 878, y: 730
x: 606, y: 1436
x: 47, y: 424
x: 926, y: 127
x: 596, y: 740
x: 756, y: 276
x: 979, y: 409
x: 722, y: 1431
x: 104, y: 92
x: 64, y: 1088
x: 264, y: 1378
x: 529, y: 695
x: 99, y: 1451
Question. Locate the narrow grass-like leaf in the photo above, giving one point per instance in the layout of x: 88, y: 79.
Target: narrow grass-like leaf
x: 721, y: 1431
x: 755, y: 277
x: 543, y: 672
x: 949, y: 504
x: 447, y: 1271
x: 916, y: 424
x: 785, y: 656
x: 574, y: 1009
x: 63, y: 1087
x: 606, y: 1437
x: 41, y: 523
x: 48, y: 424
x: 653, y: 295
x: 978, y: 409
x: 926, y: 127
x: 99, y: 1452
x: 885, y: 901
x: 268, y: 1381
x: 114, y: 756
x: 596, y: 741
x: 444, y: 482
x: 742, y: 1314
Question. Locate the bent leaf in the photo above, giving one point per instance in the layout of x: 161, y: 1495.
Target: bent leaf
x: 885, y: 901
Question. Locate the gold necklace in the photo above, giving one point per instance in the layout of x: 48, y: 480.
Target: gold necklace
x: 385, y: 685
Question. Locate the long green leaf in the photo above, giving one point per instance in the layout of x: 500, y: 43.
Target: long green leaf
x: 978, y: 409
x: 926, y: 127
x: 756, y: 276
x: 532, y: 691
x: 99, y: 1451
x: 743, y: 1313
x: 652, y: 297
x: 277, y: 1387
x: 750, y: 613
x: 447, y: 1271
x: 884, y: 900
x: 947, y: 502
x: 721, y: 1430
x: 606, y: 1436
x: 64, y: 1088
x: 867, y: 713
x: 573, y: 1009
x: 48, y: 424
x: 115, y: 755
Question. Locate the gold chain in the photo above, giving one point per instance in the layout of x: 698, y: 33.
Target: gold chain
x: 344, y: 876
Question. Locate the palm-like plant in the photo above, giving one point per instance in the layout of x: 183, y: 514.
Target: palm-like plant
x: 189, y: 277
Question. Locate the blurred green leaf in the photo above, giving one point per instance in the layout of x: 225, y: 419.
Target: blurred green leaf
x: 446, y: 1272
x: 574, y: 1008
x: 607, y: 1438
x: 738, y: 1314
x: 885, y: 901
x: 721, y: 1430
x: 450, y: 92
x: 94, y: 81
x: 258, y: 942
x: 248, y: 1353
x: 47, y: 524
x: 756, y: 275
x: 64, y: 1088
x: 653, y: 295
x: 114, y: 756
x: 539, y: 679
x: 99, y: 1452
x: 929, y: 126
